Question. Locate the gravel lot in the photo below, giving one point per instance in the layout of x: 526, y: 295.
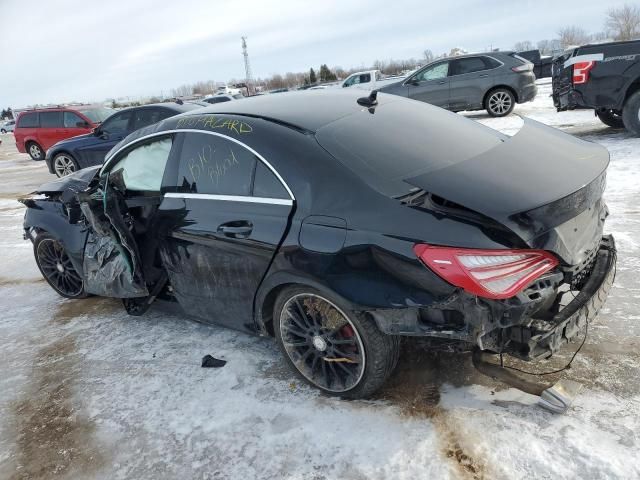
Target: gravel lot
x: 89, y: 392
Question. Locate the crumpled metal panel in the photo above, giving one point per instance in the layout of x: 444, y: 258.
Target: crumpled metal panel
x: 107, y: 271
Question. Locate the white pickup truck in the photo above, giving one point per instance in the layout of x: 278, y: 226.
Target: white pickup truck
x: 368, y: 80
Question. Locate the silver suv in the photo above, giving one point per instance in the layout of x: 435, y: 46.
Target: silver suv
x: 493, y: 81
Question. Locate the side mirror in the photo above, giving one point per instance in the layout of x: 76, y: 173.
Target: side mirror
x: 413, y: 82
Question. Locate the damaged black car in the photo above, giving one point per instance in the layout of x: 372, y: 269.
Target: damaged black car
x: 339, y: 225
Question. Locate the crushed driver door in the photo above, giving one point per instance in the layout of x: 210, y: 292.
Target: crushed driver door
x: 119, y: 208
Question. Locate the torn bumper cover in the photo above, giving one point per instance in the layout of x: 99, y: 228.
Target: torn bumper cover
x: 515, y: 326
x: 542, y: 342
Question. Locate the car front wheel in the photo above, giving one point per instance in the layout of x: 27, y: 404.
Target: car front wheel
x: 56, y: 267
x: 500, y: 102
x: 611, y: 118
x: 631, y: 114
x: 64, y: 164
x: 35, y: 151
x: 339, y: 351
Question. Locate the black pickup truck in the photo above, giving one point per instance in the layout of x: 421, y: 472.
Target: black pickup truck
x: 604, y: 77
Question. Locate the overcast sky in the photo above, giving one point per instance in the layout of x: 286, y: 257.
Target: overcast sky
x: 66, y: 50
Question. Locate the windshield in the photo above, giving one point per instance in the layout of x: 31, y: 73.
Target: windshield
x: 97, y: 115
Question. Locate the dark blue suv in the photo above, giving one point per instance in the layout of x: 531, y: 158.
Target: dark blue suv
x: 83, y: 151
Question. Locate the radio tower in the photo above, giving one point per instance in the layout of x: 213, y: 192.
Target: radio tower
x: 247, y: 66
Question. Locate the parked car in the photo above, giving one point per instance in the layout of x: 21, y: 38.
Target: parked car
x: 604, y: 77
x: 83, y: 151
x: 305, y: 217
x: 8, y: 126
x: 227, y: 90
x: 37, y: 130
x: 367, y: 80
x: 493, y: 81
x: 221, y: 98
x: 541, y: 63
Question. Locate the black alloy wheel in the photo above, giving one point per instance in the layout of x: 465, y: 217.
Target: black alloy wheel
x: 331, y: 348
x: 56, y: 267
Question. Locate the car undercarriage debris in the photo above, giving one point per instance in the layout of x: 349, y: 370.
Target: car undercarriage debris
x: 556, y: 398
x: 209, y: 361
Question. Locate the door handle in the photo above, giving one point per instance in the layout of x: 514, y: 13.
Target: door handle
x: 236, y: 229
x: 442, y: 82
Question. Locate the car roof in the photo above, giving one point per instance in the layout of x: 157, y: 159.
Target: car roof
x: 304, y: 109
x: 176, y: 107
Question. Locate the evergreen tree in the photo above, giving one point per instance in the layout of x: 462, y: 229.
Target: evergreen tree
x: 312, y: 76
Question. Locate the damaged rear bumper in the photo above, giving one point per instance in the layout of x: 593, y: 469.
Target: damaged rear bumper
x: 539, y: 342
x: 514, y: 326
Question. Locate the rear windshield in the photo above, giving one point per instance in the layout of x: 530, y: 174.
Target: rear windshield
x: 403, y: 139
x: 97, y: 115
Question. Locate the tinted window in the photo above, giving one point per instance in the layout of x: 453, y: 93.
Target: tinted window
x: 146, y: 116
x: 217, y: 99
x: 72, y: 119
x: 28, y: 120
x: 491, y: 62
x: 467, y: 65
x: 433, y: 73
x: 117, y: 123
x: 97, y: 115
x: 266, y: 184
x: 212, y: 164
x: 144, y: 166
x: 51, y: 119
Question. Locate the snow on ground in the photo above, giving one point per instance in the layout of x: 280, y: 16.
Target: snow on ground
x: 89, y: 392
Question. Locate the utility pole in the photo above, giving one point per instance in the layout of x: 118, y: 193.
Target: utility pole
x: 247, y: 66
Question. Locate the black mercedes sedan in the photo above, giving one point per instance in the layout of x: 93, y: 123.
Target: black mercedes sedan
x: 339, y: 225
x: 82, y: 151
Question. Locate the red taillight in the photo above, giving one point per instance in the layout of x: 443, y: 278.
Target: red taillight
x: 525, y: 67
x: 492, y: 274
x: 581, y: 72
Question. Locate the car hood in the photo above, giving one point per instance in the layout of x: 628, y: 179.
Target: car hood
x: 74, y: 140
x: 75, y: 182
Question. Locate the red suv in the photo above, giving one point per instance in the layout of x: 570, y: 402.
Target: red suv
x: 37, y: 130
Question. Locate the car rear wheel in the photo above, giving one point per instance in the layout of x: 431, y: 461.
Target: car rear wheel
x: 631, y: 114
x: 35, y: 151
x: 56, y: 267
x: 612, y: 118
x: 330, y: 347
x: 500, y: 102
x: 64, y: 164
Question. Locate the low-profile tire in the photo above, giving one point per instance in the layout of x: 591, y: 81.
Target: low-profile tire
x: 35, y: 151
x: 341, y: 352
x: 611, y: 118
x: 631, y: 114
x: 56, y: 267
x: 64, y: 164
x: 500, y: 102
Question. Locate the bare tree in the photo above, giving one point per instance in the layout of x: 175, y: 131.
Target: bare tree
x: 624, y: 23
x: 572, y: 35
x: 547, y: 47
x: 428, y: 56
x: 523, y: 46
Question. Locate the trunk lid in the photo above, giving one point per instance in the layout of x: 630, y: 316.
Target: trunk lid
x: 544, y: 185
